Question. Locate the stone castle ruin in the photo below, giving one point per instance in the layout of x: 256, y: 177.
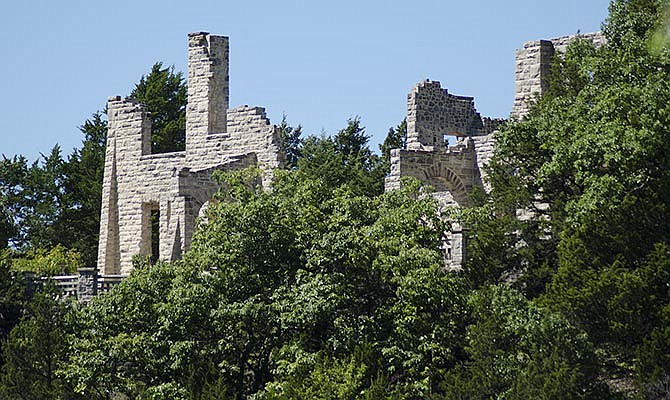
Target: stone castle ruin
x: 173, y: 187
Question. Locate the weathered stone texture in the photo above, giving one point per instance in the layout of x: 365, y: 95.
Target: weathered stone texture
x: 454, y: 170
x: 451, y: 171
x: 176, y: 185
x: 433, y: 113
x: 208, y: 88
x: 533, y: 65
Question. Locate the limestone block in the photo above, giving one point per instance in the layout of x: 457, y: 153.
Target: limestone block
x: 532, y: 68
x: 174, y: 186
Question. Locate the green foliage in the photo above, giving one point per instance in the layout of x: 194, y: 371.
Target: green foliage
x: 318, y: 376
x: 55, y: 201
x: 35, y: 350
x: 590, y: 170
x: 12, y: 296
x: 344, y: 159
x: 34, y: 198
x: 83, y: 184
x: 326, y: 288
x: 57, y: 261
x: 517, y: 350
x: 164, y: 93
x: 292, y: 142
x: 7, y: 229
x: 653, y: 360
x: 277, y: 283
x: 12, y: 174
x: 396, y: 138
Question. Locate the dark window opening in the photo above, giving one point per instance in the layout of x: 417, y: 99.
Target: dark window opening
x: 155, y: 234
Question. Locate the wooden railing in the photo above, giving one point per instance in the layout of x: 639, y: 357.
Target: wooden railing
x: 107, y: 282
x: 67, y: 285
x: 83, y: 286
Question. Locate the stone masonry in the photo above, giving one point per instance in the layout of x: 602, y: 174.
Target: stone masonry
x: 452, y: 171
x: 433, y: 113
x: 533, y: 64
x: 176, y: 185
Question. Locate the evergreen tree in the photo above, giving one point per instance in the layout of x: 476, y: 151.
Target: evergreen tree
x: 35, y: 350
x: 344, y: 159
x: 164, y: 93
x: 396, y: 138
x: 589, y: 165
x: 291, y: 140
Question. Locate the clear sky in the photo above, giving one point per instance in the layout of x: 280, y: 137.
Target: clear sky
x: 319, y: 63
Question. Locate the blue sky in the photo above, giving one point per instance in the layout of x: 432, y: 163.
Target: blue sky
x: 319, y: 63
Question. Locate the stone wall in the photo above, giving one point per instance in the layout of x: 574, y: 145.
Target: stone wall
x: 176, y: 185
x: 533, y: 66
x: 452, y: 171
x: 433, y: 112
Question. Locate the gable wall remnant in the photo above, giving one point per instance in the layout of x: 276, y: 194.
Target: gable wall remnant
x: 175, y: 186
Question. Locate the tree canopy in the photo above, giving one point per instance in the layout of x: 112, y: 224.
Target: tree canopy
x: 325, y: 287
x: 163, y: 92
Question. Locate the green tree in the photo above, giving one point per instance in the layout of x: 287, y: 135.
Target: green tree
x: 164, y: 93
x: 57, y: 261
x: 343, y: 159
x: 12, y: 174
x: 12, y: 297
x: 517, y: 350
x: 292, y: 141
x: 56, y: 201
x: 42, y: 202
x: 305, y: 277
x: 396, y: 138
x: 589, y: 169
x: 83, y: 184
x: 35, y: 350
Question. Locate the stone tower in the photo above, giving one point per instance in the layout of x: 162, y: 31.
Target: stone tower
x: 173, y: 187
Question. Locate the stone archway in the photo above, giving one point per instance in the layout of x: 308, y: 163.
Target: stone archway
x: 448, y: 186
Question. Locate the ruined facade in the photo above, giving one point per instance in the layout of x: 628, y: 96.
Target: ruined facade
x: 448, y: 143
x: 434, y: 114
x: 533, y: 65
x: 173, y: 187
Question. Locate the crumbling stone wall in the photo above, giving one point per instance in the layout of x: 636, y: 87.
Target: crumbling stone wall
x: 432, y: 112
x: 533, y: 66
x: 176, y: 185
x: 452, y: 171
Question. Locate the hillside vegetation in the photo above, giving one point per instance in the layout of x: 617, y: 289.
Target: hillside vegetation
x: 328, y: 288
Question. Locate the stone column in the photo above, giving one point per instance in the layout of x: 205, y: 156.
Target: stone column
x: 531, y: 74
x: 87, y: 284
x: 128, y: 139
x: 207, y: 89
